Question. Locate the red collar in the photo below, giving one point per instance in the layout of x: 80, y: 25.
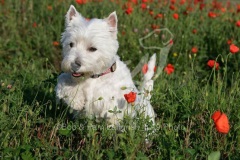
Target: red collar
x: 109, y: 70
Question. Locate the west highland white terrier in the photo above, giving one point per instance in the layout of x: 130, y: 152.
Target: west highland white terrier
x: 95, y: 80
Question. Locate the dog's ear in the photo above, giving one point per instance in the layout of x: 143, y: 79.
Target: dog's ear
x: 72, y: 12
x: 112, y: 23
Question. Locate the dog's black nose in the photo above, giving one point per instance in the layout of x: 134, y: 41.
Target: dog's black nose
x: 78, y: 62
x: 76, y: 65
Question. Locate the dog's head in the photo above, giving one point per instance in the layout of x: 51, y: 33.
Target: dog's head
x: 89, y: 46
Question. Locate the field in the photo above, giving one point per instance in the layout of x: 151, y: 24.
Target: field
x: 188, y: 90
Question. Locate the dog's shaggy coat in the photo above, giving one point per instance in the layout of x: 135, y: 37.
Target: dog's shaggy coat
x: 87, y: 84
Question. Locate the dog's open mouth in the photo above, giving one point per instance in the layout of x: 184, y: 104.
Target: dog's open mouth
x: 77, y: 74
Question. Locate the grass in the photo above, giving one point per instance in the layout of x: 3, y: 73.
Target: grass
x: 33, y: 126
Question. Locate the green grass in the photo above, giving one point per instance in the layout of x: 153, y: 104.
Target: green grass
x: 33, y: 126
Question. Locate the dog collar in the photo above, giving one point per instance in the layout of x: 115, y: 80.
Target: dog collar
x: 111, y: 69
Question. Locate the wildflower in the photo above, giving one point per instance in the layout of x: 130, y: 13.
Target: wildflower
x: 9, y: 86
x: 130, y: 97
x: 223, y: 9
x: 159, y: 15
x: 202, y: 6
x: 173, y: 1
x: 143, y: 6
x: 212, y: 63
x: 55, y: 43
x: 172, y: 7
x: 49, y: 7
x: 221, y: 122
x: 229, y: 42
x: 171, y: 41
x: 233, y: 49
x: 81, y: 1
x: 238, y: 23
x: 175, y: 54
x: 216, y: 115
x: 238, y: 8
x: 194, y: 31
x: 151, y: 12
x: 144, y: 1
x: 182, y: 2
x: 135, y: 30
x: 134, y: 1
x: 194, y: 50
x: 129, y: 10
x: 154, y: 26
x: 145, y: 68
x: 2, y: 2
x: 169, y: 69
x: 212, y: 15
x: 197, y: 1
x: 175, y: 16
x: 34, y: 25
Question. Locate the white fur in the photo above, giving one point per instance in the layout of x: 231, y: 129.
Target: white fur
x: 96, y: 96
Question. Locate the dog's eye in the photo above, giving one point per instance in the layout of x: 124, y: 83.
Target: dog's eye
x: 71, y: 44
x: 92, y: 49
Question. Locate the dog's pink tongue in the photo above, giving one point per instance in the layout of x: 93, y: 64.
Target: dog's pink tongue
x: 76, y: 74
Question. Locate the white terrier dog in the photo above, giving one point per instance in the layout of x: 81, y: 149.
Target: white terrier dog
x: 95, y: 80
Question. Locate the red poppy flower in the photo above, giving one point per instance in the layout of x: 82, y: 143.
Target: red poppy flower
x: 129, y: 10
x: 182, y: 2
x: 216, y: 115
x: 172, y: 7
x: 81, y: 1
x: 194, y: 31
x: 56, y: 43
x: 34, y: 25
x: 145, y: 68
x: 173, y: 1
x: 169, y: 69
x: 197, y: 1
x: 154, y: 26
x: 175, y: 16
x: 238, y: 23
x: 238, y: 8
x: 212, y: 15
x: 159, y: 16
x: 151, y: 12
x: 221, y: 122
x: 202, y: 6
x: 135, y: 1
x: 143, y: 6
x: 229, y: 41
x: 130, y: 97
x: 2, y: 2
x: 212, y: 63
x: 49, y: 8
x: 194, y: 50
x: 233, y: 49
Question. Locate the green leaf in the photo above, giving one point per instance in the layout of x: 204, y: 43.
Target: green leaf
x: 214, y: 155
x: 27, y: 156
x: 64, y: 132
x: 123, y: 88
x: 190, y: 151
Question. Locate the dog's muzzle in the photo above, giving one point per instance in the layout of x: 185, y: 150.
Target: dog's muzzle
x: 75, y: 66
